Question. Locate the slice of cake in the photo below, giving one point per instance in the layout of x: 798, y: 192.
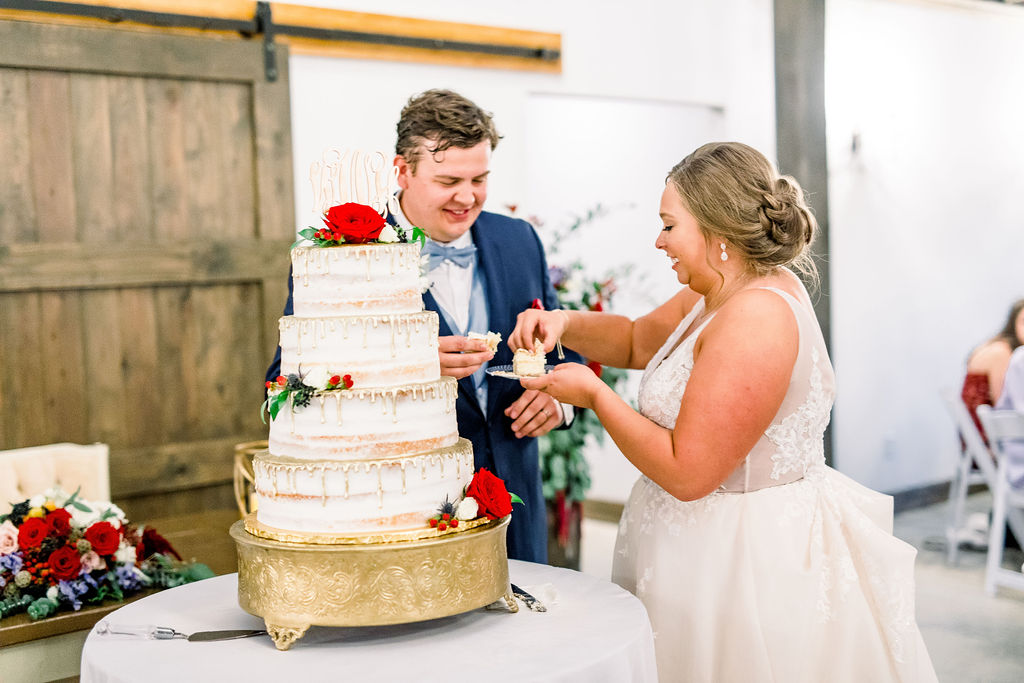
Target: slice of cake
x: 526, y: 363
x: 491, y: 338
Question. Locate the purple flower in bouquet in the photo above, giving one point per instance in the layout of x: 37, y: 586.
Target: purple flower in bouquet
x: 73, y: 591
x: 13, y: 563
x: 129, y: 578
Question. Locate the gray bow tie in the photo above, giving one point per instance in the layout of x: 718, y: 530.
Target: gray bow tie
x: 463, y: 257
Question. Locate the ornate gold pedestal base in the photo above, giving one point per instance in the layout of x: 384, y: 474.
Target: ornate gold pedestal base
x: 294, y: 585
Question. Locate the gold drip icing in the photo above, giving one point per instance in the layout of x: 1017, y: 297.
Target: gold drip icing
x: 257, y: 528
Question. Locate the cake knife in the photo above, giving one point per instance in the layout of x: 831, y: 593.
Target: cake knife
x: 151, y: 632
x: 532, y: 603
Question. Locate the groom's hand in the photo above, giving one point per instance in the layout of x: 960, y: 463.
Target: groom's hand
x: 534, y: 414
x: 460, y: 356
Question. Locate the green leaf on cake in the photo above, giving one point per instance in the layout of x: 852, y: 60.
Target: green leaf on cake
x: 516, y: 499
x: 419, y: 236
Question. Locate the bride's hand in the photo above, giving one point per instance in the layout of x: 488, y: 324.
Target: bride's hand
x: 568, y: 383
x: 547, y: 326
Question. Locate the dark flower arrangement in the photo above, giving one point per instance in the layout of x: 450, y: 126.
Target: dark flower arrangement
x: 353, y: 223
x: 59, y: 551
x: 300, y: 389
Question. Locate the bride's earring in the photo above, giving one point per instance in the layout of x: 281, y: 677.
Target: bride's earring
x: 725, y: 257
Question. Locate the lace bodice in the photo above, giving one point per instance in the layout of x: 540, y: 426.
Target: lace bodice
x: 793, y: 445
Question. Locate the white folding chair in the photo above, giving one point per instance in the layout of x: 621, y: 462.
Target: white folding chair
x: 1007, y: 503
x: 974, y: 454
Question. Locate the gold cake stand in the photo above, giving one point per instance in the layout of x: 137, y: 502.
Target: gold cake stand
x: 293, y: 586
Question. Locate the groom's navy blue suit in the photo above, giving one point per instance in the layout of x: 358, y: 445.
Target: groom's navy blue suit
x: 515, y: 272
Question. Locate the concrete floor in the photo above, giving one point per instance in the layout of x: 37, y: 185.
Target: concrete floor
x: 971, y: 637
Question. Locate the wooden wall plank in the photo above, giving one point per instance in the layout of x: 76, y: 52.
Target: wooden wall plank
x: 120, y: 52
x: 64, y: 364
x: 103, y: 349
x: 206, y: 202
x: 273, y: 143
x: 90, y: 265
x: 93, y: 164
x: 17, y: 214
x: 247, y: 362
x: 236, y: 173
x: 142, y: 415
x: 49, y: 100
x: 166, y: 133
x: 30, y: 422
x: 130, y: 172
x: 171, y: 306
x: 170, y: 467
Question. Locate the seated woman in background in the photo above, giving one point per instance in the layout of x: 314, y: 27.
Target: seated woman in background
x: 986, y: 366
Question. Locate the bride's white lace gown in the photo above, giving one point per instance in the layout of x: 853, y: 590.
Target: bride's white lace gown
x: 789, y: 572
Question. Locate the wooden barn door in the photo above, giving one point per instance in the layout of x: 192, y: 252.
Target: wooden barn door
x: 146, y: 209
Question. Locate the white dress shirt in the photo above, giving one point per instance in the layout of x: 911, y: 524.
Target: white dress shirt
x: 451, y: 286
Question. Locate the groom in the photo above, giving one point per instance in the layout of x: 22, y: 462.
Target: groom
x: 484, y: 269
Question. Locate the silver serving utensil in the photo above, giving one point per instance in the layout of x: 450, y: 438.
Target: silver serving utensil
x: 207, y: 636
x: 532, y: 603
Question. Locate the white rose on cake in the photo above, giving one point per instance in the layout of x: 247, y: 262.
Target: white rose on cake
x: 387, y: 235
x: 468, y: 509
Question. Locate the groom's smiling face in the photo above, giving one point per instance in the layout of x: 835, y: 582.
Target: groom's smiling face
x: 446, y: 191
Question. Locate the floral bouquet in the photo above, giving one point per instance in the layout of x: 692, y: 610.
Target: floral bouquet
x: 300, y: 388
x: 353, y: 223
x: 58, y: 551
x: 485, y: 498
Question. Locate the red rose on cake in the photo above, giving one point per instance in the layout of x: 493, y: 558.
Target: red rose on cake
x: 492, y: 498
x: 354, y: 223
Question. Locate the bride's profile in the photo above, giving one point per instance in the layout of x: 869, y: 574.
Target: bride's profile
x: 755, y: 560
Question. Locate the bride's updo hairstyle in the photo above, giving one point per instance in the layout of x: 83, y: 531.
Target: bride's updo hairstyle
x: 738, y: 197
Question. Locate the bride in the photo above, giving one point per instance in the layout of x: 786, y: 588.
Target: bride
x: 755, y: 561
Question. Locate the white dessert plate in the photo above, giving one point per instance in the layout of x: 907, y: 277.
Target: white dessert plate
x: 506, y: 371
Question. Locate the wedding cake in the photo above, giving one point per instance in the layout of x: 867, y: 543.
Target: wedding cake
x: 374, y: 445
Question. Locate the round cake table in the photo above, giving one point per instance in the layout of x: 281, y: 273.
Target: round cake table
x: 593, y: 631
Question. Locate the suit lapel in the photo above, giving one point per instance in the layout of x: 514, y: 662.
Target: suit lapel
x: 490, y: 263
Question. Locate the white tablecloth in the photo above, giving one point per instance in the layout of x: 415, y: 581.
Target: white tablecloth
x: 593, y: 631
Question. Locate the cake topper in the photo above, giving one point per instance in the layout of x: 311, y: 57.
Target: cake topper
x: 353, y: 175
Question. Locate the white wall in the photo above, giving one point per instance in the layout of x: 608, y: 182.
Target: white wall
x: 687, y: 56
x: 927, y: 225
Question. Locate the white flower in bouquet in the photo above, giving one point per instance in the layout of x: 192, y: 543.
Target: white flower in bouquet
x: 387, y: 234
x: 125, y: 554
x: 37, y: 501
x: 468, y: 509
x: 52, y: 592
x: 316, y: 377
x: 82, y: 519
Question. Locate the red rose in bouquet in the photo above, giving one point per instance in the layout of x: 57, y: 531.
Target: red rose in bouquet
x: 59, y: 521
x: 357, y: 223
x: 32, y: 532
x: 65, y: 563
x: 490, y: 494
x: 104, y: 537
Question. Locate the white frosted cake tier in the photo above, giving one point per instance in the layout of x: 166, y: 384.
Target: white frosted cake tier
x: 389, y: 494
x: 357, y: 279
x: 368, y: 423
x: 376, y: 350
